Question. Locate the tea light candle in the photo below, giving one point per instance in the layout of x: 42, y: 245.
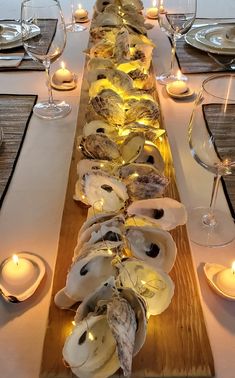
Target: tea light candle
x: 152, y: 12
x: 63, y: 75
x: 80, y: 14
x: 178, y: 86
x: 225, y: 280
x: 18, y: 272
x: 161, y: 7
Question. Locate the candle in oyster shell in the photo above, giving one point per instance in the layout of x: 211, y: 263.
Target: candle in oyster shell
x: 18, y: 272
x: 62, y: 75
x: 152, y: 12
x: 225, y: 280
x: 80, y: 14
x: 177, y: 87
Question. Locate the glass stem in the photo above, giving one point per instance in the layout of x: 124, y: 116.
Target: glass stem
x: 47, y: 65
x: 209, y: 219
x: 173, y: 50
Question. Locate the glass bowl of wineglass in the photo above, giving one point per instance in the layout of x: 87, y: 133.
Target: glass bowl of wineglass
x: 46, y: 47
x: 212, y: 144
x: 175, y: 18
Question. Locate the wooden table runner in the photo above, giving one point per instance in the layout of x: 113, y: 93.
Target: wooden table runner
x: 224, y: 141
x: 192, y: 60
x: 15, y: 113
x: 47, y: 28
x: 177, y: 344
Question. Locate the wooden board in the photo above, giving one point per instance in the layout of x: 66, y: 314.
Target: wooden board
x: 177, y: 344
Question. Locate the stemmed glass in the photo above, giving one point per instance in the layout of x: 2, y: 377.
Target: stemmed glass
x: 212, y: 144
x: 175, y: 19
x: 73, y: 26
x: 43, y: 13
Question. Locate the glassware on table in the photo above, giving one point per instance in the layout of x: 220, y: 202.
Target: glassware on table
x: 214, y: 107
x: 175, y: 19
x: 41, y: 13
x: 73, y: 26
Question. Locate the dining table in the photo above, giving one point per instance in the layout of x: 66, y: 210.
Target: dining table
x: 31, y: 213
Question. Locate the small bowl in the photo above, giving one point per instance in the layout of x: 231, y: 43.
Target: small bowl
x: 211, y: 270
x: 39, y: 272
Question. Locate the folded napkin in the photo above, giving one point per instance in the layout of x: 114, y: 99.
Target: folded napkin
x: 11, y: 59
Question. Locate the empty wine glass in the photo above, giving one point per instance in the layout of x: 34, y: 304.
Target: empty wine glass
x: 175, y: 19
x: 73, y: 26
x: 46, y: 47
x: 212, y: 144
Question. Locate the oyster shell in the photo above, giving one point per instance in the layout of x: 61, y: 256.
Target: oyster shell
x: 109, y: 105
x: 136, y: 4
x: 99, y: 63
x: 99, y: 127
x: 141, y: 111
x: 107, y: 19
x: 85, y: 274
x: 89, y: 166
x: 143, y: 181
x: 154, y: 285
x: 90, y: 350
x: 100, y: 5
x: 153, y: 245
x: 102, y: 192
x: 116, y: 80
x: 151, y: 155
x: 97, y: 219
x: 122, y: 46
x: 132, y: 147
x: 102, y: 49
x: 166, y: 213
x: 99, y: 146
x: 110, y: 230
x: 122, y: 322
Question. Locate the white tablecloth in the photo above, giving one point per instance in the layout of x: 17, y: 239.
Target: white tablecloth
x: 31, y: 213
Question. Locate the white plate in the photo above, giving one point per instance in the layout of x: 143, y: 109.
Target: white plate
x: 191, y: 39
x: 10, y: 34
x: 216, y: 37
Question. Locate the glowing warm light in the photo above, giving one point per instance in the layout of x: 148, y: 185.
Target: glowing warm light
x: 79, y: 6
x: 154, y: 3
x: 90, y: 336
x: 62, y: 64
x: 83, y: 197
x: 110, y: 252
x: 15, y: 258
x: 178, y: 75
x: 143, y: 282
x: 73, y: 323
x: 134, y: 175
x: 123, y: 162
x: 160, y: 139
x: 101, y: 165
x: 233, y: 267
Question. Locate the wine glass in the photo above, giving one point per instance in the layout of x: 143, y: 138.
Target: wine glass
x: 175, y: 18
x: 211, y: 140
x: 73, y: 26
x: 46, y: 14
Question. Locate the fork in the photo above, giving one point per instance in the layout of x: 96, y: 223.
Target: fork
x: 227, y: 63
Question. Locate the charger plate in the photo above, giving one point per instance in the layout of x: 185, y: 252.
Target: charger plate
x: 10, y: 34
x: 210, y: 38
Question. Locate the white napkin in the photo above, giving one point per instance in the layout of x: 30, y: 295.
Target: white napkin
x: 10, y: 59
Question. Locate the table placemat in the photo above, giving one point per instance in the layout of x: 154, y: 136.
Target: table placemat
x: 192, y: 60
x: 223, y: 134
x: 28, y: 63
x: 15, y: 113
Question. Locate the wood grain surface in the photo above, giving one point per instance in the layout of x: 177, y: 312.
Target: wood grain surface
x: 177, y: 344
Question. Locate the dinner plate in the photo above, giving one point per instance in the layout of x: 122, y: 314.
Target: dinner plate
x: 10, y: 34
x: 192, y: 39
x: 217, y: 37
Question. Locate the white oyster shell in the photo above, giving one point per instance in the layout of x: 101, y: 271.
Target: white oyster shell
x: 166, y: 213
x: 85, y: 274
x: 154, y: 285
x: 102, y: 192
x: 132, y: 147
x: 98, y: 127
x: 89, y: 166
x: 114, y: 79
x: 151, y: 155
x: 90, y: 350
x: 99, y: 146
x: 99, y: 63
x: 109, y: 230
x: 97, y: 218
x: 153, y: 245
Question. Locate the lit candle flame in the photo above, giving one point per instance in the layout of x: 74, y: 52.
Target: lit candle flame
x: 62, y: 65
x: 79, y: 6
x: 178, y: 75
x: 161, y: 3
x: 233, y: 267
x: 15, y: 258
x: 154, y: 3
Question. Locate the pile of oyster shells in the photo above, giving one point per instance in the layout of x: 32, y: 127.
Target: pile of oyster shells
x: 124, y: 250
